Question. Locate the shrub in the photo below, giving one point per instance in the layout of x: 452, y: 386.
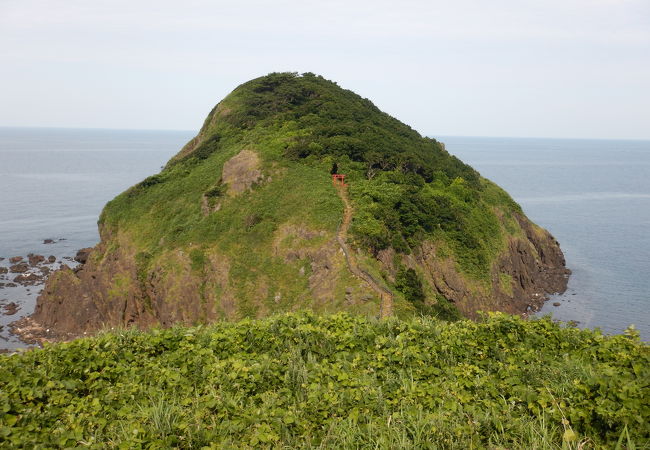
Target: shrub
x: 304, y: 381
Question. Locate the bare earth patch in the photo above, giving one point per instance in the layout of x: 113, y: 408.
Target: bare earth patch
x: 241, y: 171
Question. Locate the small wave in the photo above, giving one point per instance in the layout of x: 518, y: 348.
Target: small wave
x: 592, y: 196
x: 48, y: 220
x: 67, y: 177
x: 503, y: 163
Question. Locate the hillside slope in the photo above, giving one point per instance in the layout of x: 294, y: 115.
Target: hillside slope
x: 243, y: 222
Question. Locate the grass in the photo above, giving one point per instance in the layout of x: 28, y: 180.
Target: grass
x: 406, y: 190
x: 307, y: 381
x: 505, y: 283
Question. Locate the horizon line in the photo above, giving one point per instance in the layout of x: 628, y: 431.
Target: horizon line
x: 434, y: 136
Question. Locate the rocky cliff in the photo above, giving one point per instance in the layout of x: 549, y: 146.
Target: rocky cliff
x: 245, y: 222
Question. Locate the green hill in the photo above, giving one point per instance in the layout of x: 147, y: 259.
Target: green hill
x: 341, y: 381
x: 245, y: 222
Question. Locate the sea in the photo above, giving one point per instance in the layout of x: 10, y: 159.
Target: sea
x: 592, y: 195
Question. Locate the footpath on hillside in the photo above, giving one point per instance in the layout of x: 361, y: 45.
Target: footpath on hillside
x: 385, y: 295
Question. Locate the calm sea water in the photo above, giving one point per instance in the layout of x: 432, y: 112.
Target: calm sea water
x: 55, y: 182
x: 594, y: 196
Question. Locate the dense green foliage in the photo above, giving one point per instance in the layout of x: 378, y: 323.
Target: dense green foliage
x: 405, y: 187
x: 332, y: 382
x: 409, y: 284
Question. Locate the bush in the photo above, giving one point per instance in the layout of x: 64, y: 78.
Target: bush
x: 408, y: 283
x: 303, y: 381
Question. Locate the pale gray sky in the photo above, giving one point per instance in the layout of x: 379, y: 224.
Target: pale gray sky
x: 542, y: 68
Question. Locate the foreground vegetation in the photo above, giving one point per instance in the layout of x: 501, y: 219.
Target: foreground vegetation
x: 339, y: 381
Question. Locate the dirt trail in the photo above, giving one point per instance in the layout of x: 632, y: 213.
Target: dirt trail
x: 386, y: 296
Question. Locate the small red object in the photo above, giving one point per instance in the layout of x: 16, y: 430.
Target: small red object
x: 339, y: 179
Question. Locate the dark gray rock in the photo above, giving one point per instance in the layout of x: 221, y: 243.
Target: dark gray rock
x: 82, y: 255
x: 35, y: 259
x: 19, y: 268
x: 10, y: 309
x: 29, y: 277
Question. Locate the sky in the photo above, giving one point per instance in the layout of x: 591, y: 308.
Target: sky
x: 522, y: 68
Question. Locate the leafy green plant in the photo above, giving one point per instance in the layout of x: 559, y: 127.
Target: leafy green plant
x: 408, y: 283
x: 306, y: 381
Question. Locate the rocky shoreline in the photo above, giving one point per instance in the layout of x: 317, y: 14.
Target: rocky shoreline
x: 32, y: 270
x: 31, y: 332
x: 26, y: 275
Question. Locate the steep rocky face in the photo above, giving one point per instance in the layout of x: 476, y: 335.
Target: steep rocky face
x: 531, y: 267
x: 108, y: 291
x: 245, y: 222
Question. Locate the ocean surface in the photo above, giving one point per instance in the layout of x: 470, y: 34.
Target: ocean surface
x: 53, y: 185
x: 593, y: 196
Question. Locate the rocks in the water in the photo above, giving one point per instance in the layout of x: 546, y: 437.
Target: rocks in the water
x: 82, y: 255
x: 29, y: 277
x: 48, y: 241
x: 35, y: 259
x: 556, y: 303
x: 19, y: 268
x: 24, y: 266
x: 10, y: 309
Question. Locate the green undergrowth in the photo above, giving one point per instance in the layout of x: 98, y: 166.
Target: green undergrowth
x: 340, y: 381
x: 405, y: 187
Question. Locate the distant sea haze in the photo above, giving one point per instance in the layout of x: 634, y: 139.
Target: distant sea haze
x: 592, y: 195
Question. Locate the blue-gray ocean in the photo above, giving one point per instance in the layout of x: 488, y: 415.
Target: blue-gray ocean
x: 592, y: 195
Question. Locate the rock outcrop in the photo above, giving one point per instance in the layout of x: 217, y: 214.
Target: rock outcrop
x: 531, y: 268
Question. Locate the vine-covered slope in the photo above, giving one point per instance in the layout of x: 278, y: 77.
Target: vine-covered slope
x: 341, y: 381
x: 242, y: 223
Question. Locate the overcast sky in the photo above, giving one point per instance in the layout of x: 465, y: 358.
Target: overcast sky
x: 543, y: 68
